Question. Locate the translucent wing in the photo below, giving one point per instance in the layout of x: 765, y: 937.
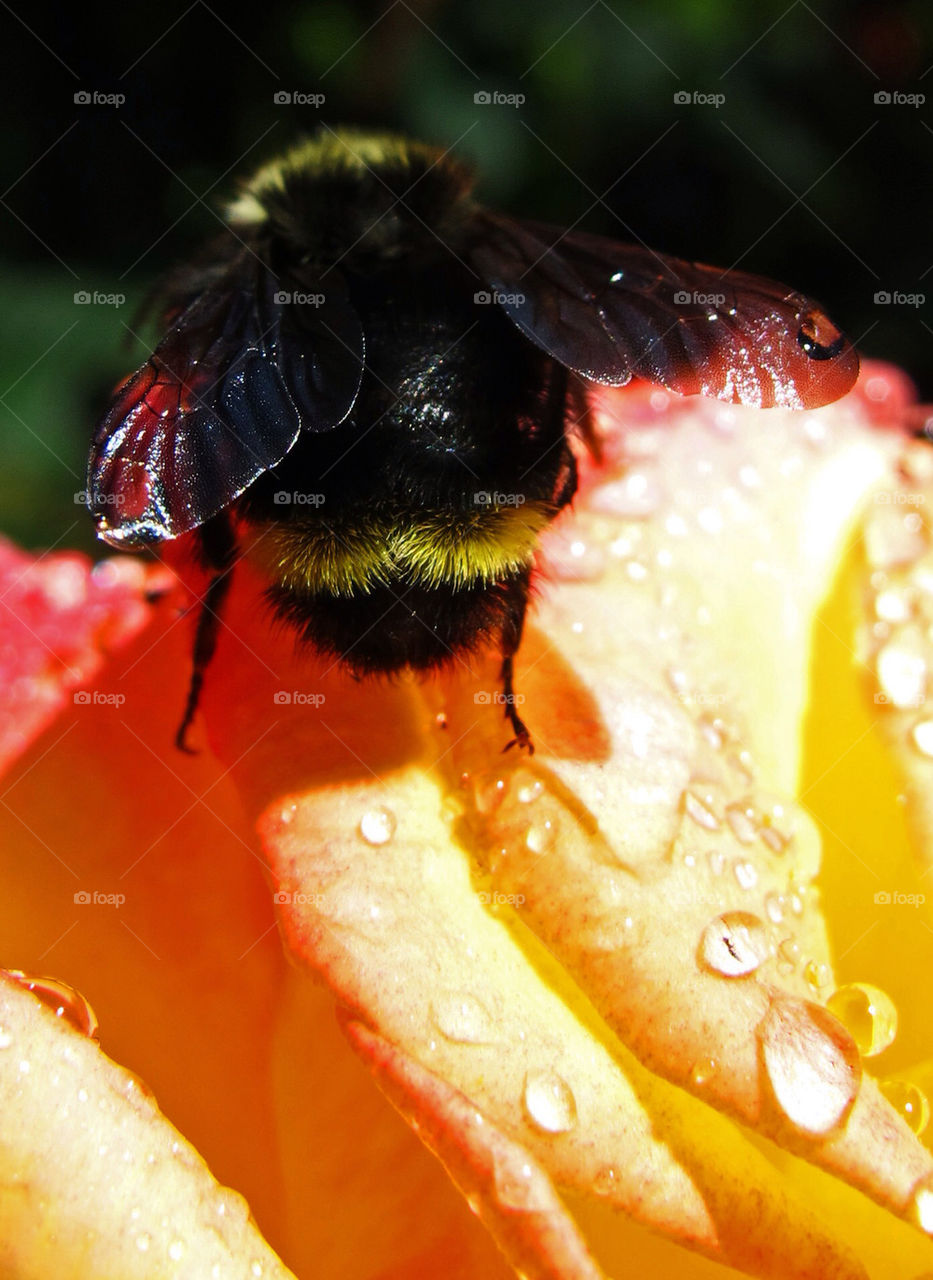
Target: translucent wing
x: 609, y: 310
x: 221, y: 400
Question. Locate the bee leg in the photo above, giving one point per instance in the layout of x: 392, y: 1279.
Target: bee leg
x: 217, y: 547
x: 511, y: 639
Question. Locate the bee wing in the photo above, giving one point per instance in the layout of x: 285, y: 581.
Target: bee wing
x: 221, y: 400
x: 609, y: 310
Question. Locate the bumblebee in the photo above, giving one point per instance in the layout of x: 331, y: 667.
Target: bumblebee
x: 368, y: 382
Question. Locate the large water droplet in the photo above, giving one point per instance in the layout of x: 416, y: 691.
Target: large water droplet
x: 867, y: 1013
x: 377, y: 826
x: 774, y: 906
x: 64, y: 1001
x: 734, y: 944
x: 910, y: 1103
x: 812, y: 1062
x: 6, y: 1038
x: 549, y: 1102
x: 463, y: 1019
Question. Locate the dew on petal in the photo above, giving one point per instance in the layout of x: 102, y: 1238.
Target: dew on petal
x: 734, y: 944
x: 698, y: 809
x: 812, y: 1063
x: 377, y: 826
x: 539, y: 837
x: 745, y: 873
x: 909, y: 1101
x: 63, y: 1000
x: 902, y: 671
x: 606, y: 1182
x: 462, y: 1018
x: 703, y: 1071
x: 922, y: 737
x: 549, y: 1102
x: 868, y: 1014
x: 742, y: 821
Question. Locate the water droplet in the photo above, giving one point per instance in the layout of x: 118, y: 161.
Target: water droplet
x: 377, y: 826
x: 255, y: 1268
x: 288, y: 813
x: 745, y: 873
x: 699, y: 810
x: 440, y: 720
x: 742, y: 821
x: 812, y: 1062
x: 902, y: 670
x: 463, y: 1019
x: 788, y: 955
x: 816, y: 976
x: 908, y: 1101
x: 713, y: 730
x: 634, y: 497
x: 64, y: 1001
x: 549, y: 1102
x: 6, y: 1039
x: 606, y: 1181
x: 703, y: 1071
x: 867, y: 1013
x: 176, y: 1250
x: 489, y: 792
x: 734, y: 944
x: 922, y: 734
x: 890, y: 540
x: 517, y: 1187
x: 528, y: 792
x: 575, y: 561
x: 774, y: 906
x: 539, y: 837
x: 143, y: 1241
x: 892, y: 605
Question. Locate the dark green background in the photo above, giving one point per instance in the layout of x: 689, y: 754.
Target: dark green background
x: 103, y: 199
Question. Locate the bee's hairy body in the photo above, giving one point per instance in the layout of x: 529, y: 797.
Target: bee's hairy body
x: 406, y: 535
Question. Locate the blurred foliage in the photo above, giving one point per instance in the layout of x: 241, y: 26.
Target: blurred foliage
x: 798, y: 174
